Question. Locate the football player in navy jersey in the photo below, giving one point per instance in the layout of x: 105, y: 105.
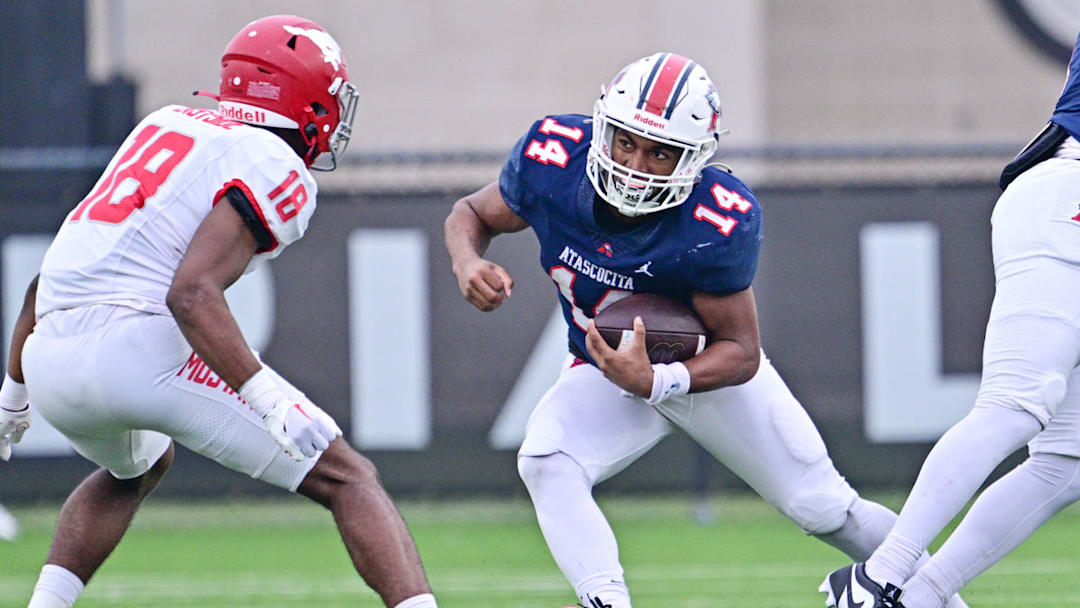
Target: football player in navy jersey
x: 625, y: 202
x: 1029, y: 394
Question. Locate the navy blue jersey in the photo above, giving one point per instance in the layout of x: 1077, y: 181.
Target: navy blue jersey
x: 707, y: 244
x: 1067, y: 112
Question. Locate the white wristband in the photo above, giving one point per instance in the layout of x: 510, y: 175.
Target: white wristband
x: 669, y: 380
x: 13, y: 395
x: 261, y: 393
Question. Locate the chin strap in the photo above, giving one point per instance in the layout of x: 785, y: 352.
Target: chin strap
x: 310, y: 133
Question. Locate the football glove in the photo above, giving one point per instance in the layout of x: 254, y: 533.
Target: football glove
x: 14, y: 415
x: 303, y: 429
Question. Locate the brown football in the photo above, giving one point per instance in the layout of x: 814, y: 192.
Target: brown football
x: 673, y: 332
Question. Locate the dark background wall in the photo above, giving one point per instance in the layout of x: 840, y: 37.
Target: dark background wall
x: 807, y: 288
x: 808, y: 295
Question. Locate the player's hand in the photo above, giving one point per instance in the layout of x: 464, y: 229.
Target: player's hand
x: 12, y: 427
x: 303, y: 429
x: 14, y: 415
x: 628, y: 367
x: 484, y: 284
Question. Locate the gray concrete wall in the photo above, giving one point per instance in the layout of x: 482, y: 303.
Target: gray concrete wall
x: 472, y: 74
x: 903, y: 71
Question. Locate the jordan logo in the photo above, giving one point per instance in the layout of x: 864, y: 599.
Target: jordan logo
x: 645, y: 269
x: 595, y: 602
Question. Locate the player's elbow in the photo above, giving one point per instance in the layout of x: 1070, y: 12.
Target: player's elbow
x: 463, y: 217
x: 750, y: 365
x: 744, y: 367
x: 186, y: 298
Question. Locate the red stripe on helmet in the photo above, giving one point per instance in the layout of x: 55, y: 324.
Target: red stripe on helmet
x: 665, y: 82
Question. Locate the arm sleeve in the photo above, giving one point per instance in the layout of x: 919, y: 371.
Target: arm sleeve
x: 245, y: 206
x: 271, y: 189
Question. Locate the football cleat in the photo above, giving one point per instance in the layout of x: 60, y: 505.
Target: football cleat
x: 850, y: 587
x: 9, y: 526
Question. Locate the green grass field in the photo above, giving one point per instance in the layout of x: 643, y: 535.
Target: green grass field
x: 491, y: 554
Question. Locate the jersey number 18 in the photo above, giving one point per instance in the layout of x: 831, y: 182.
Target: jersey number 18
x: 153, y: 166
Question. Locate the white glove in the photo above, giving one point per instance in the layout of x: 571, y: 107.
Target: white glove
x: 302, y: 429
x: 14, y: 415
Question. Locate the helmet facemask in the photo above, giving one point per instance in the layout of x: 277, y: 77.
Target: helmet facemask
x: 632, y: 192
x: 347, y: 96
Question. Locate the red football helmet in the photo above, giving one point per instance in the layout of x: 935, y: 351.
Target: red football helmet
x: 286, y: 71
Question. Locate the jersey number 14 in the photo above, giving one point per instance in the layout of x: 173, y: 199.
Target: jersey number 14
x: 552, y: 151
x: 728, y: 201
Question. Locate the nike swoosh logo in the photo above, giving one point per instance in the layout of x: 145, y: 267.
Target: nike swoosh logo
x: 855, y: 589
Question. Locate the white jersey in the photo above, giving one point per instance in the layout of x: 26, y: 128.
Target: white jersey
x: 123, y: 243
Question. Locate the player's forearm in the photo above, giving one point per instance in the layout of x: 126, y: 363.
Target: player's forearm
x: 467, y: 237
x: 209, y: 327
x: 24, y: 326
x: 723, y: 363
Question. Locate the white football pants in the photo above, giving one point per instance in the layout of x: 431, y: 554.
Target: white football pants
x: 119, y: 383
x: 758, y: 430
x: 1032, y: 344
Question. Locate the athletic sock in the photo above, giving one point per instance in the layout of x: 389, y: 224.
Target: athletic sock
x: 603, y: 591
x: 919, y: 594
x: 57, y: 587
x: 577, y: 534
x: 424, y: 600
x: 952, y: 473
x: 1006, y: 514
x: 864, y: 529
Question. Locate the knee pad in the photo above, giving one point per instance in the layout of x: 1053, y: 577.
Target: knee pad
x: 535, y: 470
x: 1027, y: 359
x: 1053, y: 392
x: 1057, y: 470
x: 1040, y: 395
x: 819, y: 511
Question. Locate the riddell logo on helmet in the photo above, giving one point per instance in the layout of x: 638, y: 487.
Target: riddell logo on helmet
x: 649, y: 121
x: 242, y: 115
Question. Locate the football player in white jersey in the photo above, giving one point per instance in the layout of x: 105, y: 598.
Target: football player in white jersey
x: 125, y: 342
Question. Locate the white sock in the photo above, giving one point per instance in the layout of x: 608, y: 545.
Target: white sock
x: 9, y: 526
x: 921, y: 595
x: 577, y: 534
x: 951, y: 475
x: 57, y: 587
x: 425, y: 600
x: 603, y: 591
x: 866, y: 526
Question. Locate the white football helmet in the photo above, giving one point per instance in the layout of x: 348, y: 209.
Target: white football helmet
x: 664, y: 97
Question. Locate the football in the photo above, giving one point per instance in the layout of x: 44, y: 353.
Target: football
x: 673, y: 332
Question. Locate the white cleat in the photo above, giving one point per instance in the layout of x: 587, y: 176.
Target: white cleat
x: 9, y: 526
